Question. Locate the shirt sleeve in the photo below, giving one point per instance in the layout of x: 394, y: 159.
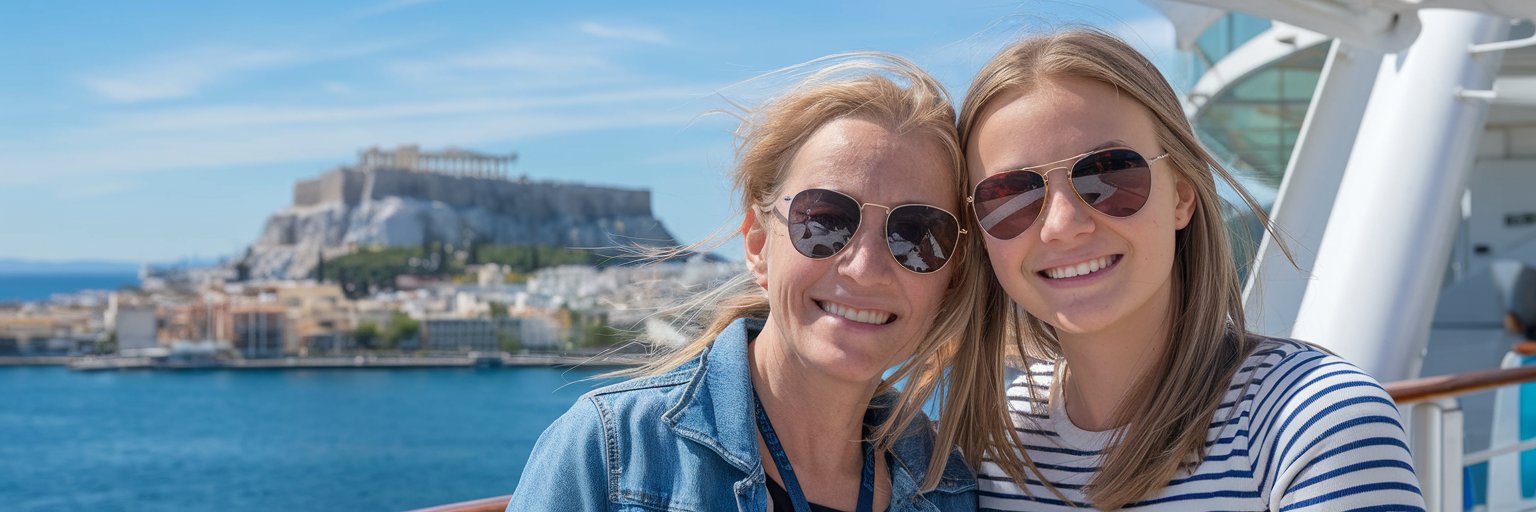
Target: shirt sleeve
x: 1334, y: 442
x: 568, y: 469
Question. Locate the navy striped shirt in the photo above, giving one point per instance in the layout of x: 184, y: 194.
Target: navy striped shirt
x: 1299, y: 430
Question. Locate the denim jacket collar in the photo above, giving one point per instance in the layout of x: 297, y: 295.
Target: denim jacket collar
x: 712, y: 413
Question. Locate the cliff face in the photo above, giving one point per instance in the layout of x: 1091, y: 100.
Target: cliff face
x: 390, y: 207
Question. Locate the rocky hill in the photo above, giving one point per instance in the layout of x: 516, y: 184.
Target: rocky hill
x: 408, y: 198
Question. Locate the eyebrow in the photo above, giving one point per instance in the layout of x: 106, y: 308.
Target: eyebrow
x: 1111, y: 143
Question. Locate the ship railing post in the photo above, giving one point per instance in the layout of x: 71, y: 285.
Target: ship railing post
x: 1435, y: 437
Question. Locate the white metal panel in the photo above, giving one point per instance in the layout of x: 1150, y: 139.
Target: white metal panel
x: 1276, y: 286
x: 1384, y: 252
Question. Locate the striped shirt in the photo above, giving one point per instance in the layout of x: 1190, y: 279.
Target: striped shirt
x: 1298, y: 430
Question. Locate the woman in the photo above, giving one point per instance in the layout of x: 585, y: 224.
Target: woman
x: 849, y: 183
x: 1142, y: 388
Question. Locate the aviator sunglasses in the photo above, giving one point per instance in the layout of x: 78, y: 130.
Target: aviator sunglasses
x: 821, y: 222
x: 1115, y: 182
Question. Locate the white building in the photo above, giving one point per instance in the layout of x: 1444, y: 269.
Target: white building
x: 133, y: 324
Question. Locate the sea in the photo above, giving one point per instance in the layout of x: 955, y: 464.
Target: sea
x: 244, y: 440
x: 24, y: 287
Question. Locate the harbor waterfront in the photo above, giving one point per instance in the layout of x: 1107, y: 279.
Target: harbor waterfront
x: 297, y: 439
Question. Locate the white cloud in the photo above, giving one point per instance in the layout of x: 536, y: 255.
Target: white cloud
x: 183, y: 73
x: 156, y: 140
x: 557, y: 83
x: 631, y: 33
x: 176, y: 120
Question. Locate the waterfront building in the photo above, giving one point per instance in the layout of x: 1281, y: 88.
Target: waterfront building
x: 205, y: 318
x: 260, y: 329
x: 51, y: 331
x: 541, y: 332
x: 319, y: 313
x: 460, y: 335
x: 133, y: 322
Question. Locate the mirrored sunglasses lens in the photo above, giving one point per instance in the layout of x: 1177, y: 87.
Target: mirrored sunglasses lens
x: 821, y: 222
x: 1115, y: 182
x: 922, y: 238
x: 1007, y: 203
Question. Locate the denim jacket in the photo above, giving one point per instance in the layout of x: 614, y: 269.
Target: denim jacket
x: 686, y: 440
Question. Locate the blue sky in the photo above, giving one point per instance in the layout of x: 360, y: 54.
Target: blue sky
x: 166, y: 130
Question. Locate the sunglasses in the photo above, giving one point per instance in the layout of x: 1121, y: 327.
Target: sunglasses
x: 821, y: 222
x: 1115, y: 182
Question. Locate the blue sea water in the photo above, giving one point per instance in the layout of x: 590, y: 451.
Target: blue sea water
x: 35, y: 287
x: 365, y: 439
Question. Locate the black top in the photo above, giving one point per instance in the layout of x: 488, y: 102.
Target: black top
x: 782, y: 503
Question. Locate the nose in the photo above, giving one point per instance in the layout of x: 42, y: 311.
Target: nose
x: 867, y: 259
x: 1065, y: 216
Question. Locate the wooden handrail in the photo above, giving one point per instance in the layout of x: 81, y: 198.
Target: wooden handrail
x: 497, y: 504
x: 1445, y: 386
x: 1404, y: 392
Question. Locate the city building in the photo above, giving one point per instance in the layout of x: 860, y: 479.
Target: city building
x: 260, y: 329
x: 461, y: 335
x: 132, y: 321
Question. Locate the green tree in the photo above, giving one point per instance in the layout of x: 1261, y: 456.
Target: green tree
x: 401, y: 327
x: 366, y: 334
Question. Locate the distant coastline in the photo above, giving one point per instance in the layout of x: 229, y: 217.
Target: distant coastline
x: 27, y: 286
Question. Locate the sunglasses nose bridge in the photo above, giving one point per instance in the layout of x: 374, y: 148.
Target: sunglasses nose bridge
x: 1045, y: 175
x: 868, y: 258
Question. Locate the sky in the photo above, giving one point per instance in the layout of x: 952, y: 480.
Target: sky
x: 154, y: 132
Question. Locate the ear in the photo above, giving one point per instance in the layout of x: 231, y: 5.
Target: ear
x: 1185, y: 208
x: 757, y: 243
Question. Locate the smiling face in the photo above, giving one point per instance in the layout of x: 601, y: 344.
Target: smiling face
x: 1083, y: 272
x: 854, y: 314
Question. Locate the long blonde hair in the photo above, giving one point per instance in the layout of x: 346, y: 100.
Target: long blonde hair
x: 1207, y: 338
x: 896, y: 94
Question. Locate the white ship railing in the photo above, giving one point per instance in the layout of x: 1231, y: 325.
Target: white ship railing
x: 1436, y: 428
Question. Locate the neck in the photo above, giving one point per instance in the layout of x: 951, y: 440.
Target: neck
x: 1104, y: 367
x: 818, y: 419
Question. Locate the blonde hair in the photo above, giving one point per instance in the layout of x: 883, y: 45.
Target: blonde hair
x: 1207, y: 338
x: 878, y: 88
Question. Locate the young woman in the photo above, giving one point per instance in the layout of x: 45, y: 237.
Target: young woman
x: 850, y: 183
x: 1141, y: 387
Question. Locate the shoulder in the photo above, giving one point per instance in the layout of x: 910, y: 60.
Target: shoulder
x: 1327, y: 435
x: 1293, y: 375
x: 1309, y: 404
x: 598, y: 411
x: 643, y: 395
